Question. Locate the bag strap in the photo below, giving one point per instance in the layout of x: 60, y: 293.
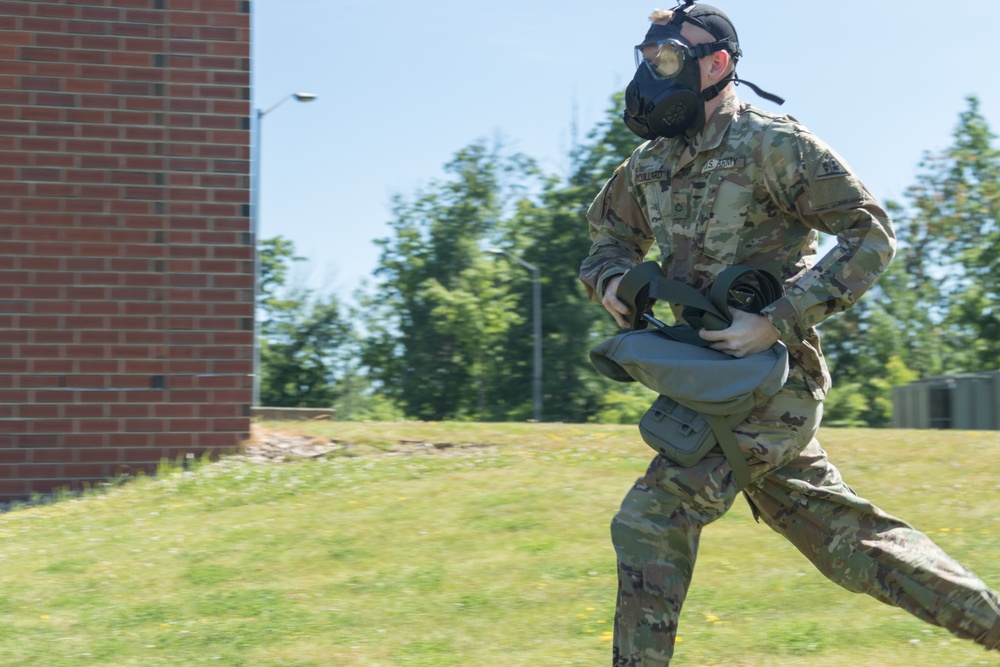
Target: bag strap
x: 741, y: 286
x: 727, y: 441
x: 633, y: 291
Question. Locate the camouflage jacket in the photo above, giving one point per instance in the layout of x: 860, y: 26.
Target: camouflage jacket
x: 750, y: 188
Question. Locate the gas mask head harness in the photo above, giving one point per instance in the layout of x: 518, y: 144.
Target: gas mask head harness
x: 664, y: 98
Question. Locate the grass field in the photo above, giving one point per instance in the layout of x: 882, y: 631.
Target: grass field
x: 488, y: 549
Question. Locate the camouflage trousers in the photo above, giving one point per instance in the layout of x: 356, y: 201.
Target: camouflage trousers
x: 799, y: 494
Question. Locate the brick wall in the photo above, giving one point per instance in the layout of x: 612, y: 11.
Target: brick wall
x: 126, y: 256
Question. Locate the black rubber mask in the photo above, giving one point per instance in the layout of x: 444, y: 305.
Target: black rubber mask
x: 664, y: 98
x: 657, y: 106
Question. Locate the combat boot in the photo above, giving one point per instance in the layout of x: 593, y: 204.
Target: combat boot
x: 991, y: 638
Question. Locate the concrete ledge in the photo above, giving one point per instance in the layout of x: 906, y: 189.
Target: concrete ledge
x: 291, y: 414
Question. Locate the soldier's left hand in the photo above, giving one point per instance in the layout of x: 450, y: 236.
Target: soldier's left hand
x: 748, y: 334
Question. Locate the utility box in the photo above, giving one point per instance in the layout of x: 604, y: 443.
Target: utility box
x: 967, y: 401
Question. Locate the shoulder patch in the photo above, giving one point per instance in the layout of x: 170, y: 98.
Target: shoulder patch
x: 830, y: 165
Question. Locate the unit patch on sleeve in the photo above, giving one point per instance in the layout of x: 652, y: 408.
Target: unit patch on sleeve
x: 830, y: 165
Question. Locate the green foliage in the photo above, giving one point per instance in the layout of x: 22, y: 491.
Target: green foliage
x: 302, y: 344
x: 552, y: 233
x: 304, y: 338
x: 370, y: 406
x: 625, y: 404
x: 441, y: 313
x: 454, y: 335
x: 845, y: 405
x: 951, y: 254
x: 275, y: 256
x: 934, y: 311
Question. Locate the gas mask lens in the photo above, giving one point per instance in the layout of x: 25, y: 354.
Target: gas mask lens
x: 665, y: 59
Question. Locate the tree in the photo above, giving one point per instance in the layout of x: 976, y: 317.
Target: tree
x: 303, y: 336
x: 450, y: 332
x: 950, y: 231
x: 551, y: 232
x: 440, y: 315
x: 934, y: 310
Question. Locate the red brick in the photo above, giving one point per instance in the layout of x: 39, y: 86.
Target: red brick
x: 106, y: 454
x: 144, y: 425
x: 12, y: 457
x: 150, y: 396
x: 89, y: 57
x: 14, y: 396
x: 137, y: 457
x: 174, y: 439
x: 61, y: 160
x: 97, y: 425
x: 39, y: 471
x: 14, y: 488
x: 221, y: 440
x: 53, y: 337
x: 146, y: 338
x: 85, y: 471
x: 107, y: 15
x: 105, y: 220
x: 52, y: 426
x: 12, y: 366
x: 31, y: 53
x: 17, y: 425
x: 36, y: 441
x: 85, y: 411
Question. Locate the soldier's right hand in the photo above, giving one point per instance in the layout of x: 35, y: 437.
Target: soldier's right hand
x: 613, y: 305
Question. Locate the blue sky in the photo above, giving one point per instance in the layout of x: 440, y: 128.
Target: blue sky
x: 402, y: 86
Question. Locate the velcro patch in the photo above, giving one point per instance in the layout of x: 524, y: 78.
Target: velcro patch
x: 681, y: 206
x: 725, y: 163
x: 649, y: 176
x: 830, y: 165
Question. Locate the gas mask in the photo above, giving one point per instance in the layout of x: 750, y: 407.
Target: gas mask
x: 664, y: 98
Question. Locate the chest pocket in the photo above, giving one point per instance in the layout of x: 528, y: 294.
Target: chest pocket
x: 656, y: 199
x: 724, y: 228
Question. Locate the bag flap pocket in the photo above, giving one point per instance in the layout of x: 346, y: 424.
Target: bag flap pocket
x: 677, y: 432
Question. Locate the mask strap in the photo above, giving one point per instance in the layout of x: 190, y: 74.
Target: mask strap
x: 702, y: 50
x: 762, y: 93
x: 713, y: 91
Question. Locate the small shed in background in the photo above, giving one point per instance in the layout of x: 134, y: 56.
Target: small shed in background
x: 967, y: 401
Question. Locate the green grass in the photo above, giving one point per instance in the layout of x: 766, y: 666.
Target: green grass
x: 492, y: 555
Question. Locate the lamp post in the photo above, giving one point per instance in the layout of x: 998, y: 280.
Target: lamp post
x: 536, y: 293
x: 255, y: 228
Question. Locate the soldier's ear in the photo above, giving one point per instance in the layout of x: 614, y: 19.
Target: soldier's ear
x: 718, y: 65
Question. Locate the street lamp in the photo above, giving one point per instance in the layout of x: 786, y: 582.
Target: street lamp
x: 255, y: 229
x: 536, y: 293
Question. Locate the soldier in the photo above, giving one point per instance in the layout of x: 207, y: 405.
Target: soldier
x: 719, y: 183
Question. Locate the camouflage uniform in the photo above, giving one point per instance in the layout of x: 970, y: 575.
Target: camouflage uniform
x: 755, y: 188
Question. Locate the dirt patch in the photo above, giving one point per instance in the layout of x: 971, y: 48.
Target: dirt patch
x: 266, y: 446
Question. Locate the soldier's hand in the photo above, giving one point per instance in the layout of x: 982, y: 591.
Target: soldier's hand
x: 748, y: 334
x: 612, y: 304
